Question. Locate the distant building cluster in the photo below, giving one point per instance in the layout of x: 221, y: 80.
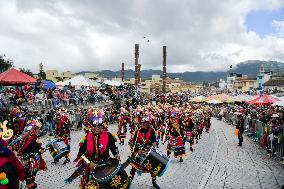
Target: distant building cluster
x: 235, y: 82
x: 56, y: 76
x: 154, y: 85
x: 265, y: 81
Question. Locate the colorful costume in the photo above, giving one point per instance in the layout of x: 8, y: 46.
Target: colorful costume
x: 96, y: 149
x: 175, y: 142
x: 143, y: 139
x: 31, y: 150
x: 11, y: 169
x: 122, y: 129
x: 63, y: 133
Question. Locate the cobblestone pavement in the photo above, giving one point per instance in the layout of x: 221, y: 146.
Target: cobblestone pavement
x: 217, y: 162
x: 248, y: 166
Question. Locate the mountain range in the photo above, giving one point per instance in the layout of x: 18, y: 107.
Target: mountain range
x: 250, y: 68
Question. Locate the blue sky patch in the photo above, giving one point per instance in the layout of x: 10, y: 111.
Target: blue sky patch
x: 261, y: 21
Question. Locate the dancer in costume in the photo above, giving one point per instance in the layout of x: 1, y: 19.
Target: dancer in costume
x: 122, y: 129
x: 62, y: 132
x: 95, y: 146
x: 11, y: 169
x: 143, y: 139
x: 188, y: 134
x: 30, y: 150
x: 175, y: 142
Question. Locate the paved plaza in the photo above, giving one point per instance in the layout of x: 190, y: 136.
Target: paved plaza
x: 217, y: 162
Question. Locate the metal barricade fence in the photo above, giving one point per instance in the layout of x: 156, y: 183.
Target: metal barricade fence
x: 256, y: 129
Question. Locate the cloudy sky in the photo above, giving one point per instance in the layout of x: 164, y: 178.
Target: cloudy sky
x: 205, y: 35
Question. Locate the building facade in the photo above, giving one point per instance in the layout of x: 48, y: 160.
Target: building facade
x: 248, y: 84
x: 274, y: 84
x: 55, y: 76
x: 262, y: 78
x: 222, y: 84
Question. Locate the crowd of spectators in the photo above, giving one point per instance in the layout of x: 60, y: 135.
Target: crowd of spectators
x: 22, y: 102
x: 263, y: 123
x: 39, y: 97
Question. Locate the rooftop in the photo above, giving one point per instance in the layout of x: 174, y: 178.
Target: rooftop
x: 274, y: 82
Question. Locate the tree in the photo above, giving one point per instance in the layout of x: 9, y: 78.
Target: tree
x: 27, y: 71
x: 41, y: 73
x: 5, y: 63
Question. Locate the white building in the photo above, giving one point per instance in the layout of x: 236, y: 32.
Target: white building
x: 230, y: 81
x: 275, y: 83
x: 222, y: 84
x: 262, y: 78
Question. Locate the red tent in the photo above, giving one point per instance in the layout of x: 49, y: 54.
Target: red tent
x: 15, y: 77
x: 263, y: 100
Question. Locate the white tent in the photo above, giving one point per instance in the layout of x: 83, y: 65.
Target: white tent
x: 112, y: 83
x: 279, y: 103
x: 276, y: 97
x: 80, y: 80
x: 242, y: 98
x: 197, y: 99
x: 214, y: 101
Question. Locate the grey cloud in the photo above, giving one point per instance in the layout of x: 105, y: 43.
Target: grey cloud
x: 94, y: 35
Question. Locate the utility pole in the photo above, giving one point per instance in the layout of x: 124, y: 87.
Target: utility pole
x: 136, y: 64
x: 122, y: 72
x: 139, y: 73
x: 164, y: 68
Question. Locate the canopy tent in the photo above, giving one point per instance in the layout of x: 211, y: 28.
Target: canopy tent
x: 242, y: 98
x: 113, y: 83
x: 229, y: 99
x: 15, y: 77
x: 48, y: 84
x: 78, y: 81
x: 263, y: 100
x: 197, y: 99
x: 279, y: 103
x: 214, y: 101
x: 276, y: 97
x: 219, y: 97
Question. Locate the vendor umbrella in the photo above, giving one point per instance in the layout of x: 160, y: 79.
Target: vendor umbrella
x: 279, y: 103
x: 15, y: 77
x: 214, y: 101
x: 263, y: 100
x: 48, y: 84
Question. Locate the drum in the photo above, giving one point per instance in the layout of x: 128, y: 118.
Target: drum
x: 37, y: 158
x: 187, y: 136
x: 92, y: 185
x: 122, y: 133
x: 57, y: 149
x: 154, y: 162
x: 111, y: 175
